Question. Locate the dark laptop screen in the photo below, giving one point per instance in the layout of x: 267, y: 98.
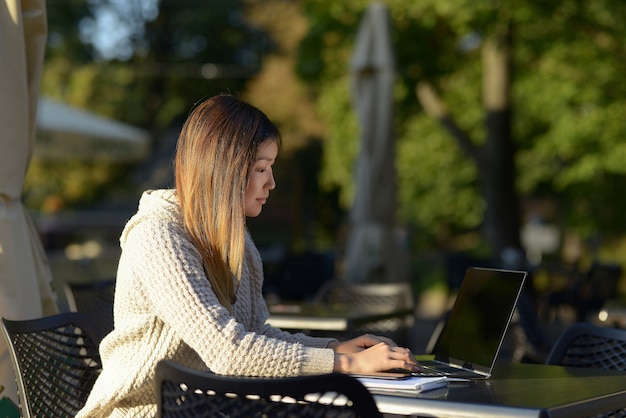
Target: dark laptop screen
x: 479, y: 318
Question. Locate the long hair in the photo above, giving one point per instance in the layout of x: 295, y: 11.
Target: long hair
x: 216, y: 148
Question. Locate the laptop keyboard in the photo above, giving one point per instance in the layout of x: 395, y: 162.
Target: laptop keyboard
x: 439, y: 369
x: 426, y: 371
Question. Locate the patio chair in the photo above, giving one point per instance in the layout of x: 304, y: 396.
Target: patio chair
x: 93, y: 299
x: 395, y: 297
x: 187, y: 393
x: 587, y: 345
x: 56, y: 362
x: 587, y: 294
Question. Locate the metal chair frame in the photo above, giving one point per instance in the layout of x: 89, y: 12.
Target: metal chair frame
x: 93, y: 299
x: 56, y: 362
x: 397, y: 296
x: 587, y: 345
x: 589, y: 290
x: 187, y: 393
x: 584, y: 344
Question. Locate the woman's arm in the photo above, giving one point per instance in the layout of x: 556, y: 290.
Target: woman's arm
x: 169, y: 269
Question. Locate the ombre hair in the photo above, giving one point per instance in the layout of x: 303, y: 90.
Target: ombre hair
x: 215, y: 152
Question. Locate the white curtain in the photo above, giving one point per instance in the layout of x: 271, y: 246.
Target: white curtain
x: 25, y: 278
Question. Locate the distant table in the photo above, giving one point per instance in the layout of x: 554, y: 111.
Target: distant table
x: 519, y: 390
x: 320, y: 317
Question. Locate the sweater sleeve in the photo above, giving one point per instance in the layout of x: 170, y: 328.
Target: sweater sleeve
x: 168, y: 269
x: 255, y: 266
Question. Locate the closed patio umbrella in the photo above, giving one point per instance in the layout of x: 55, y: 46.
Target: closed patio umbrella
x: 25, y: 278
x: 373, y: 250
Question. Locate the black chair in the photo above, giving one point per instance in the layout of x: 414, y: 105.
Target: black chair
x: 376, y: 297
x: 587, y: 345
x: 93, y: 299
x: 56, y: 362
x: 187, y: 393
x: 587, y: 294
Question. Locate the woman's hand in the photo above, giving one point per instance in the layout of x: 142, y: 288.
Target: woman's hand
x: 360, y: 343
x: 380, y: 357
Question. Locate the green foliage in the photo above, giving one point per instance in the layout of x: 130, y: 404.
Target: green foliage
x: 568, y: 94
x: 149, y: 78
x: 339, y: 152
x: 568, y: 97
x: 430, y: 192
x: 69, y: 184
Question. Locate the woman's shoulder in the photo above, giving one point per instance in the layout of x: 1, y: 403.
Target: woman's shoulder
x: 158, y: 200
x: 158, y: 210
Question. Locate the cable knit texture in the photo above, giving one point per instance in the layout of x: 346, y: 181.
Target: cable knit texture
x: 165, y: 309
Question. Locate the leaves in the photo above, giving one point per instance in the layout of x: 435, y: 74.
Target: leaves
x: 569, y: 99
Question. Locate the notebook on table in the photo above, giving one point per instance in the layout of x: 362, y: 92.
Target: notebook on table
x: 411, y: 385
x: 472, y: 337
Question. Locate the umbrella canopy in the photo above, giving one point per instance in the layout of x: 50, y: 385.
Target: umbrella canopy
x: 67, y: 131
x: 25, y: 278
x: 373, y: 251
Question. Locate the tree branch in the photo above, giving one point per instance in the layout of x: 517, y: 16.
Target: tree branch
x: 435, y: 107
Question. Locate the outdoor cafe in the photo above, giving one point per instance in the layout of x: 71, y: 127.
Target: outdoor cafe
x: 582, y: 377
x: 50, y: 359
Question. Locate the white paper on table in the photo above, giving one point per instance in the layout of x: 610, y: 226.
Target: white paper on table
x: 411, y: 385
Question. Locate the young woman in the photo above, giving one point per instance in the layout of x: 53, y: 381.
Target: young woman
x: 190, y: 278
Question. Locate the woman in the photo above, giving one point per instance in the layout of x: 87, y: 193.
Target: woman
x: 189, y: 281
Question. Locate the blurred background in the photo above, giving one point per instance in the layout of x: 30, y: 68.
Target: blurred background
x: 508, y: 132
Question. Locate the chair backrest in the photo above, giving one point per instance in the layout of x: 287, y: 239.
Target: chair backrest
x: 377, y: 297
x: 586, y: 345
x: 183, y: 392
x: 601, y: 283
x: 93, y: 299
x: 56, y: 362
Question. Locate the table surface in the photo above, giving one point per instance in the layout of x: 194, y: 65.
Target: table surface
x: 519, y: 390
x: 312, y: 316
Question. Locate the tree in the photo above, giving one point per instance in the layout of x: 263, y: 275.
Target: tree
x: 559, y: 137
x: 170, y: 54
x: 298, y: 203
x: 495, y: 158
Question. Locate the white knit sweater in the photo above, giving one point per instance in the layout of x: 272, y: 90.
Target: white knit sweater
x: 165, y: 309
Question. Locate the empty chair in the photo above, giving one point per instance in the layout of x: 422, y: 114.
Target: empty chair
x: 586, y: 345
x: 93, y: 299
x: 377, y: 297
x: 183, y: 392
x: 56, y: 362
x: 588, y: 294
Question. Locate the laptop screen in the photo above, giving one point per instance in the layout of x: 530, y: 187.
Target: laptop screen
x: 478, y: 321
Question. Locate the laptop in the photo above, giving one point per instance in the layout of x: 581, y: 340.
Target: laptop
x: 472, y: 337
x: 468, y: 345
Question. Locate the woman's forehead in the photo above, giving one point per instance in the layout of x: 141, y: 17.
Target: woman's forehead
x: 267, y: 150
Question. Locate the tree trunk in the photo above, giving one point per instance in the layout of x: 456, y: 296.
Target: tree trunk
x: 495, y: 160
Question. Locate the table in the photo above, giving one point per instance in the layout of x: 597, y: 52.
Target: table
x: 319, y: 317
x: 519, y: 390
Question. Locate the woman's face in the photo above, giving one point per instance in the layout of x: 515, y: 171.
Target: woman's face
x: 261, y: 179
